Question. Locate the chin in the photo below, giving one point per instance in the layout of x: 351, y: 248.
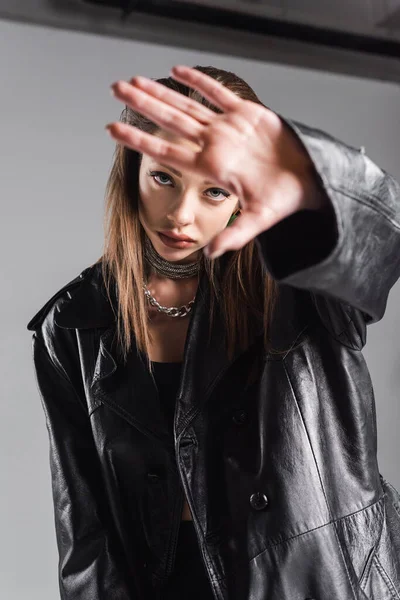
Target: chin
x: 178, y: 254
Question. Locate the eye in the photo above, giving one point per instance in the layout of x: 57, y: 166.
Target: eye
x: 154, y: 174
x: 161, y: 174
x: 225, y: 194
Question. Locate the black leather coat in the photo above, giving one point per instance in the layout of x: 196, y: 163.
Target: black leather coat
x: 281, y: 472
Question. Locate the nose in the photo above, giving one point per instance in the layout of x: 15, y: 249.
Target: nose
x: 182, y: 211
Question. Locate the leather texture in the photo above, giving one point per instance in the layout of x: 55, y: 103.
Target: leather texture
x: 275, y: 453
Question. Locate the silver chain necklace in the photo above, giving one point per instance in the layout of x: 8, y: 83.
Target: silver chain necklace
x: 173, y: 271
x: 171, y: 311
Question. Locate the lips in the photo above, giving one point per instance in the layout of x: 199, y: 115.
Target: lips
x: 174, y: 243
x: 179, y: 238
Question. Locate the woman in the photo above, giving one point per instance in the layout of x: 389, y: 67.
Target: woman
x: 211, y: 416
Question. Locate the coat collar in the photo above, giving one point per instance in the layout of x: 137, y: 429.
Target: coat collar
x: 204, y: 361
x: 89, y: 306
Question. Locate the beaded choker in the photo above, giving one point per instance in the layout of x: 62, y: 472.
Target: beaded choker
x: 167, y: 268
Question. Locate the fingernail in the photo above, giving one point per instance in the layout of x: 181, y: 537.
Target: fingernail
x: 179, y: 70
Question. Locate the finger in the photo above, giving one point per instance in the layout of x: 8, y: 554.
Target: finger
x: 211, y: 89
x: 246, y: 227
x: 156, y: 147
x: 191, y: 107
x: 167, y: 117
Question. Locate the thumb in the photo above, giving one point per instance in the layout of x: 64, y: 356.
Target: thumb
x: 242, y: 230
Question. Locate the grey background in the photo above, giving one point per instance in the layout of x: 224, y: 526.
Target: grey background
x: 55, y: 159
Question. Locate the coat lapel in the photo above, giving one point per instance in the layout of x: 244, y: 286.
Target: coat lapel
x: 126, y: 388
x: 205, y: 360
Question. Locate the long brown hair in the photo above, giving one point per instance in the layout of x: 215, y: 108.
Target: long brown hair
x: 245, y: 283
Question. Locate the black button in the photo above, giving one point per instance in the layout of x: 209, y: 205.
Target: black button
x: 186, y: 441
x: 240, y: 417
x: 258, y: 501
x: 153, y: 477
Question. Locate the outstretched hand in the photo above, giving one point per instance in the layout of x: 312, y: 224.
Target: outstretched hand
x: 247, y: 149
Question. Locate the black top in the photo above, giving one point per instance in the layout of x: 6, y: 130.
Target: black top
x: 189, y: 578
x: 167, y: 376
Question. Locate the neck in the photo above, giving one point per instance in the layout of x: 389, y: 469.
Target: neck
x: 173, y: 270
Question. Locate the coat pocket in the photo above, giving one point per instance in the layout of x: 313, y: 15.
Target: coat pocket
x: 360, y: 534
x: 381, y: 578
x: 392, y: 505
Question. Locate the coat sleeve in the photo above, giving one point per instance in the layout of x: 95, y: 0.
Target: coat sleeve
x: 89, y: 567
x: 350, y: 250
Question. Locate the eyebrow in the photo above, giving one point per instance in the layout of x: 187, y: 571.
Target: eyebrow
x: 178, y: 173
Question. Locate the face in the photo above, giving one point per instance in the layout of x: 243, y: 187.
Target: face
x: 182, y: 203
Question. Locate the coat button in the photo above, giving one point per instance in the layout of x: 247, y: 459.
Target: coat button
x: 153, y: 477
x: 240, y: 417
x: 187, y: 441
x: 258, y: 501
